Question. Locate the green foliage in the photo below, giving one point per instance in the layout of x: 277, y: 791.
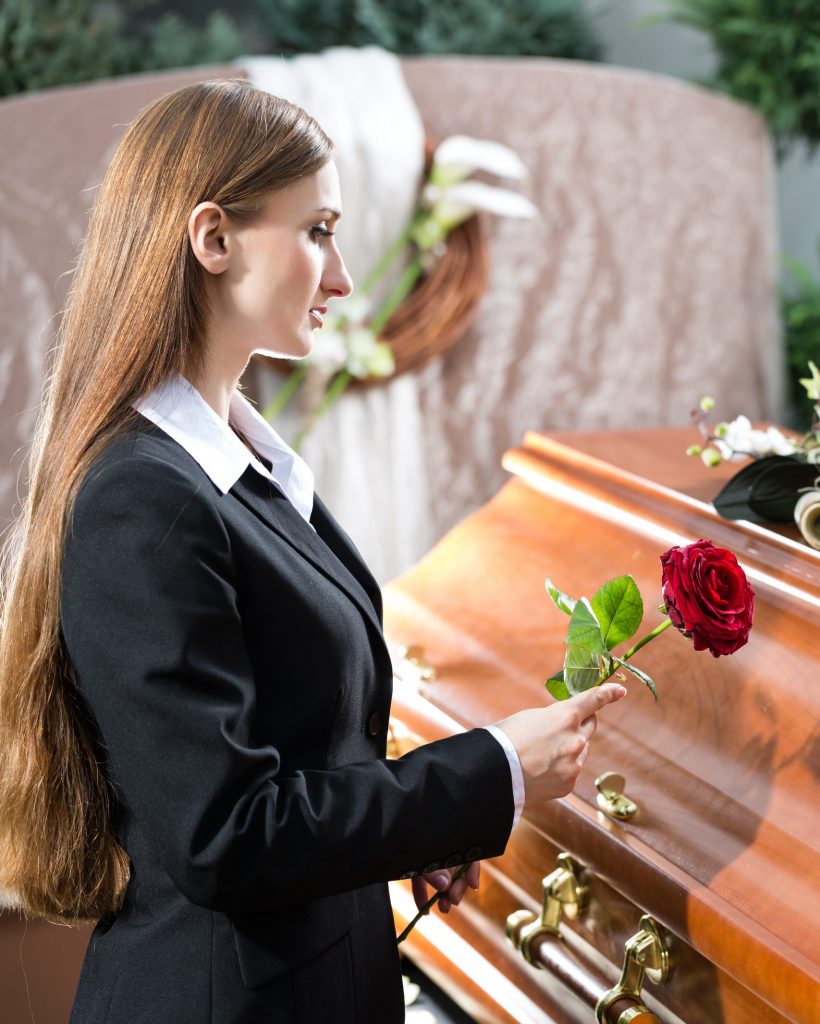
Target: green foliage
x: 45, y: 43
x: 618, y: 607
x: 595, y: 627
x: 175, y: 44
x: 768, y: 55
x: 800, y: 310
x: 562, y: 601
x: 557, y: 28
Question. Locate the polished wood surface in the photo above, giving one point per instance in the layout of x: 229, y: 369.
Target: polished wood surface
x: 724, y: 849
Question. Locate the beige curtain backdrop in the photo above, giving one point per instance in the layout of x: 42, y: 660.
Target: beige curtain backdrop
x: 647, y: 281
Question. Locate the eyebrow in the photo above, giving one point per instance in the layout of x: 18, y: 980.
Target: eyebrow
x: 329, y: 209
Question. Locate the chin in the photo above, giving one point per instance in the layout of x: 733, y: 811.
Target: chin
x: 296, y: 350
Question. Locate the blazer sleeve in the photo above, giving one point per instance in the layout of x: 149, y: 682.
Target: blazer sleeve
x: 152, y: 628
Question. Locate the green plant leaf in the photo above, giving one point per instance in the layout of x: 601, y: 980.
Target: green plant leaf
x: 557, y: 687
x: 560, y: 599
x: 647, y: 680
x: 585, y: 668
x: 584, y: 629
x: 618, y: 607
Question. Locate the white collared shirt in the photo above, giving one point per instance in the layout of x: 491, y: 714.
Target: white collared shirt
x: 178, y: 409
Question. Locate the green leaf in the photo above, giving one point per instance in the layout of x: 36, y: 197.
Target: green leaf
x: 557, y: 687
x: 618, y: 607
x: 584, y: 669
x: 560, y: 599
x: 647, y: 680
x: 584, y: 629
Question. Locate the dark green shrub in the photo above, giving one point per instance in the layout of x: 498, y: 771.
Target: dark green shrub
x: 45, y: 43
x: 800, y: 309
x: 558, y: 28
x: 768, y: 54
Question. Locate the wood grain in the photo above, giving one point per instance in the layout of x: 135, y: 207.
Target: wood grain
x: 724, y: 848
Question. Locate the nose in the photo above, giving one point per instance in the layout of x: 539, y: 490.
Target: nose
x: 336, y: 280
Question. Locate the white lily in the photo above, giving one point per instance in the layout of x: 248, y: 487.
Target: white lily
x: 454, y: 204
x: 449, y: 207
x: 459, y: 156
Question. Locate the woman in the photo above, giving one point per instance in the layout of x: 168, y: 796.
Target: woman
x: 195, y: 688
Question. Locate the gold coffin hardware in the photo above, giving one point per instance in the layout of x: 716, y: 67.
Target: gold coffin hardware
x: 645, y: 956
x: 611, y: 798
x: 563, y: 891
x: 414, y: 656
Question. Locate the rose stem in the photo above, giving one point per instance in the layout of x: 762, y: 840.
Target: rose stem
x: 429, y: 904
x: 645, y: 640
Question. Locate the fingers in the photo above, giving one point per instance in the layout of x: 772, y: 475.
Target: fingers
x: 452, y: 892
x: 419, y: 891
x: 591, y: 701
x: 440, y: 879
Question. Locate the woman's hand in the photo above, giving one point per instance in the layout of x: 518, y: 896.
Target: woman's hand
x: 553, y: 742
x: 442, y: 881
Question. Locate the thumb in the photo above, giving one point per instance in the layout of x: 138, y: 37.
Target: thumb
x: 591, y: 701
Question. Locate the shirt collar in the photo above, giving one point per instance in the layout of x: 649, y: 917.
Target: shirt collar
x: 179, y: 410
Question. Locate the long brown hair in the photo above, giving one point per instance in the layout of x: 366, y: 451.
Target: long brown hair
x: 136, y: 313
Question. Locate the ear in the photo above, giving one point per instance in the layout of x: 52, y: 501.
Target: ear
x: 208, y: 229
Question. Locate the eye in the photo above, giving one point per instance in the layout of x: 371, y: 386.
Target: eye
x: 320, y: 231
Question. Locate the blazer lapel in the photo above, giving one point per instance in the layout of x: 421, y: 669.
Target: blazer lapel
x: 345, y: 550
x: 267, y: 502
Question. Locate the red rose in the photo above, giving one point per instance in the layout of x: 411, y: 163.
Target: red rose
x: 708, y: 597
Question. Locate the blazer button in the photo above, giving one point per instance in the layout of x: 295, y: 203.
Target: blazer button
x: 374, y: 724
x: 429, y: 868
x: 472, y: 854
x: 454, y: 860
x: 407, y: 874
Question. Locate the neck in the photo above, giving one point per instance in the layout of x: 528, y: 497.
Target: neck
x: 219, y: 378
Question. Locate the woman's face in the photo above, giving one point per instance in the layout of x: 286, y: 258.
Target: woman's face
x: 284, y: 269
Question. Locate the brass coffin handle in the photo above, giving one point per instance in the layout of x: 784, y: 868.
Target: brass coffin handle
x: 646, y: 956
x: 611, y: 797
x: 538, y: 938
x: 562, y: 892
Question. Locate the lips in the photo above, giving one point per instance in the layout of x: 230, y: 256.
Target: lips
x: 318, y: 313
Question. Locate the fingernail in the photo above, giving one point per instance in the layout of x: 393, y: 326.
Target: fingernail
x: 441, y: 881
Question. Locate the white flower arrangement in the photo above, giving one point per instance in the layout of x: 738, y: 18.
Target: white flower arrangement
x: 782, y: 480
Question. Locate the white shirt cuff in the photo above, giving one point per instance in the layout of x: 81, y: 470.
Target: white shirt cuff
x: 515, y: 769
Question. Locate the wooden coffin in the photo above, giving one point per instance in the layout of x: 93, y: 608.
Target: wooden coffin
x: 718, y: 868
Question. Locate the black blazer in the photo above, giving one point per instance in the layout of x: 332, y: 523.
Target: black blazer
x: 233, y: 662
